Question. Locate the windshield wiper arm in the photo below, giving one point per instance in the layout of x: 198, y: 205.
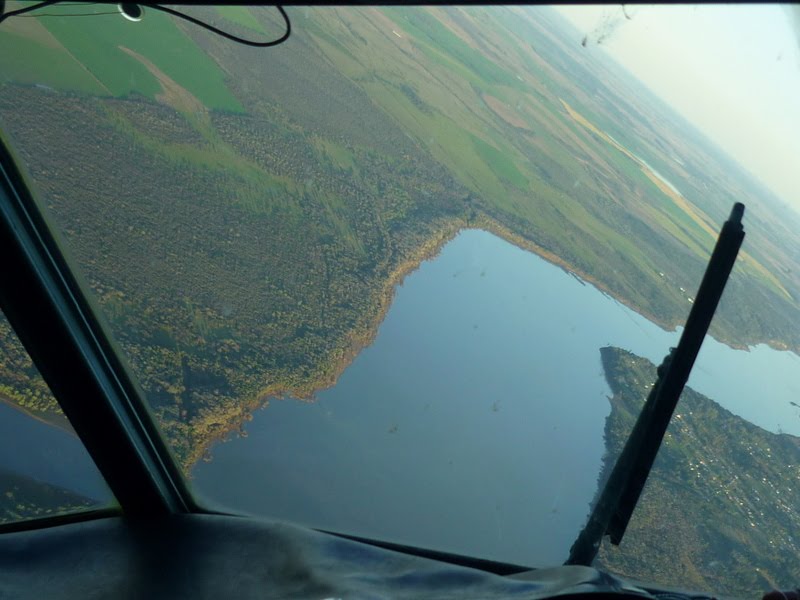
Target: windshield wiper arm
x: 615, y: 505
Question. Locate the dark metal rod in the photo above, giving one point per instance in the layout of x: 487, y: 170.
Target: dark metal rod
x: 616, y: 503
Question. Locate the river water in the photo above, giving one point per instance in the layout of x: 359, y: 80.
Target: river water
x: 474, y: 422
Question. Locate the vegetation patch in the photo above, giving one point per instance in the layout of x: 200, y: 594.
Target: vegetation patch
x: 240, y: 15
x: 156, y: 38
x: 499, y: 163
x: 505, y: 112
x: 24, y: 60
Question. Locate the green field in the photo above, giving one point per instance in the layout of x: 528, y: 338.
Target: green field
x: 54, y: 68
x: 499, y: 163
x: 96, y: 45
x: 240, y: 15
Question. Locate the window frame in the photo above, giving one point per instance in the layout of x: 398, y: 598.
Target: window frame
x: 49, y: 310
x: 52, y: 315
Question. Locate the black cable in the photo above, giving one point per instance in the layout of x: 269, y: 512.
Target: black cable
x: 32, y: 7
x: 170, y: 11
x: 62, y: 3
x: 225, y: 34
x: 67, y: 3
x: 94, y: 14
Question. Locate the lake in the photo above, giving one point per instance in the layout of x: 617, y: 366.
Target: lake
x: 474, y: 422
x: 48, y: 454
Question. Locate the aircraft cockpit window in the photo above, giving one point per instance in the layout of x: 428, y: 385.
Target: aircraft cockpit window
x: 407, y: 275
x: 44, y: 469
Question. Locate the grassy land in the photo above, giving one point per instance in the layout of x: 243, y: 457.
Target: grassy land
x: 56, y: 69
x: 97, y: 46
x: 240, y: 15
x: 499, y: 163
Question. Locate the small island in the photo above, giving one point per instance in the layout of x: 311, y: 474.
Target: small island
x: 719, y: 508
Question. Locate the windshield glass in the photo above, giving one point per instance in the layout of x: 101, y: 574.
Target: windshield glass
x: 44, y: 469
x: 407, y: 274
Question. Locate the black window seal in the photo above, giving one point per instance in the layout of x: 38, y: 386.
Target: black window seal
x: 78, y: 516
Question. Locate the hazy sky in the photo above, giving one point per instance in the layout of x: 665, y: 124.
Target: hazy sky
x: 733, y: 71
